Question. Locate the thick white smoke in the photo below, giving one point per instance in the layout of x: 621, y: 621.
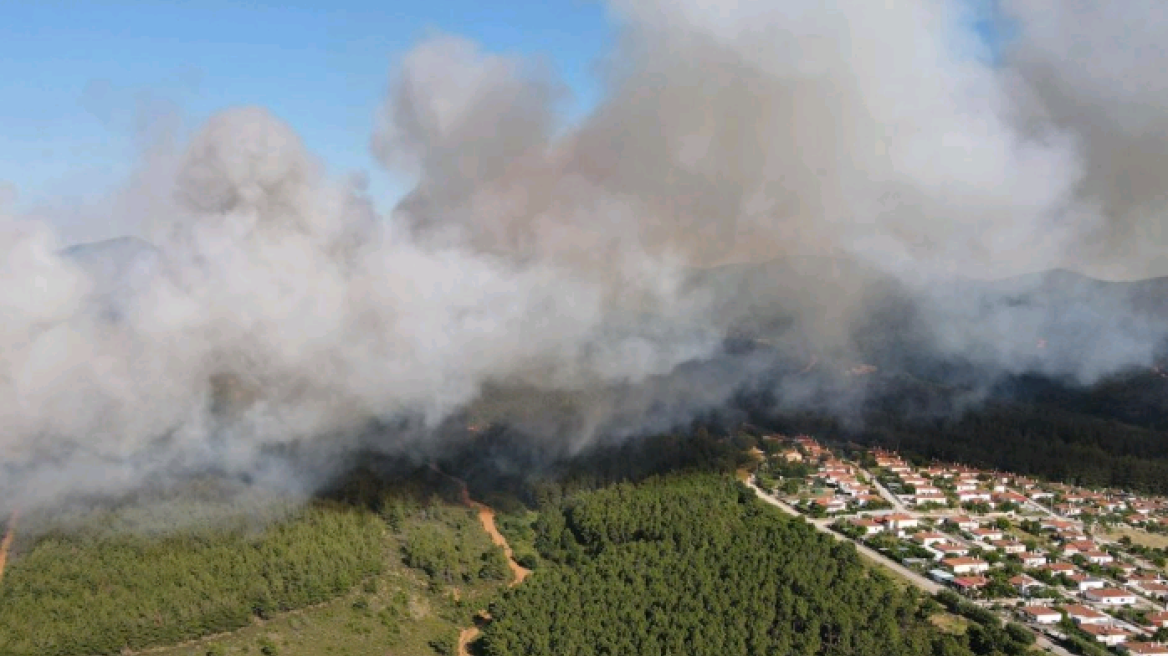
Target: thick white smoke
x: 276, y: 306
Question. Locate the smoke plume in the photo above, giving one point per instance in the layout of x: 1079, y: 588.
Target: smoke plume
x: 878, y: 155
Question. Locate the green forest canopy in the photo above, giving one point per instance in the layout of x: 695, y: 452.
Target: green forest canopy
x: 696, y: 565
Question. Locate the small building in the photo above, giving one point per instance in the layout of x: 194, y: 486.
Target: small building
x: 1060, y: 568
x: 1145, y: 648
x: 987, y: 534
x: 929, y: 539
x: 1008, y: 546
x: 868, y: 526
x: 969, y: 584
x: 1025, y: 584
x: 964, y: 565
x: 1098, y: 557
x: 1158, y: 619
x: 897, y: 522
x: 1110, y: 597
x: 1041, y: 614
x: 1084, y: 616
x: 1107, y: 634
x: 1083, y: 583
x: 941, y: 576
x: 1031, y: 559
x: 963, y: 523
x: 1156, y: 590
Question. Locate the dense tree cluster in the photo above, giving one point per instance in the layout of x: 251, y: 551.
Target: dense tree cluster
x: 450, y: 548
x: 1038, y: 440
x: 97, y: 592
x: 695, y: 565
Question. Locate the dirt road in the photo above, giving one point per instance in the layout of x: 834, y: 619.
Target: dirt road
x: 487, y: 519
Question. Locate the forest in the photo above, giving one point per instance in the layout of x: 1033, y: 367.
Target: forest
x: 95, y: 593
x: 694, y: 564
x: 125, y: 575
x: 1110, y: 434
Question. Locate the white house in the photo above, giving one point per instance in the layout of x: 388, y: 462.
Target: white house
x: 987, y: 534
x: 963, y: 565
x: 1108, y: 635
x: 1084, y: 616
x: 1041, y: 615
x: 929, y: 539
x: 1009, y: 546
x: 1083, y: 583
x: 1024, y: 584
x: 1158, y: 620
x: 900, y: 522
x: 1111, y: 596
x: 1145, y: 649
x: 1031, y: 559
x: 1099, y: 558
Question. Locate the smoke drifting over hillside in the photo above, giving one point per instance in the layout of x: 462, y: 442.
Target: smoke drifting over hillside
x: 862, y: 145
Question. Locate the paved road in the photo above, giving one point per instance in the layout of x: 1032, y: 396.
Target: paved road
x: 875, y: 556
x: 822, y: 525
x: 886, y: 493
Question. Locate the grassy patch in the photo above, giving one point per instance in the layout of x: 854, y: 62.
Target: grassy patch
x: 1139, y: 537
x: 950, y: 623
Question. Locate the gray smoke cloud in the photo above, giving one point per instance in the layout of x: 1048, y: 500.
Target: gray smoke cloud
x: 858, y: 144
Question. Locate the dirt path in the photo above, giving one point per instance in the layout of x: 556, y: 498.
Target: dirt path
x: 6, y: 543
x: 465, y: 637
x: 487, y: 518
x: 518, y: 572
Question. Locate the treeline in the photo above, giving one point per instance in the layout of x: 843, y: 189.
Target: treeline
x: 1040, y: 435
x: 101, y: 592
x: 694, y: 564
x: 1037, y: 440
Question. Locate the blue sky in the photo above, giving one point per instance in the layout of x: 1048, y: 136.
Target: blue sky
x: 77, y: 79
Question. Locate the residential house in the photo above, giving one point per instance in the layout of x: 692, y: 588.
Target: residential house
x: 1082, y: 615
x: 963, y: 523
x: 869, y: 526
x: 1041, y: 614
x: 1145, y: 648
x: 948, y: 550
x: 969, y: 584
x: 1025, y: 584
x: 1158, y: 619
x: 898, y: 522
x: 1083, y: 583
x: 964, y: 565
x: 1099, y: 557
x: 929, y: 539
x: 1107, y: 634
x: 1156, y: 590
x: 987, y: 534
x: 1009, y: 546
x: 1031, y: 559
x: 1111, y: 596
x: 1060, y: 568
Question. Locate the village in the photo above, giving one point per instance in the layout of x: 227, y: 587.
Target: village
x: 1083, y: 569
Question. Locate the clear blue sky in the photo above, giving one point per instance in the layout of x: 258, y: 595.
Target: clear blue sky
x: 77, y: 78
